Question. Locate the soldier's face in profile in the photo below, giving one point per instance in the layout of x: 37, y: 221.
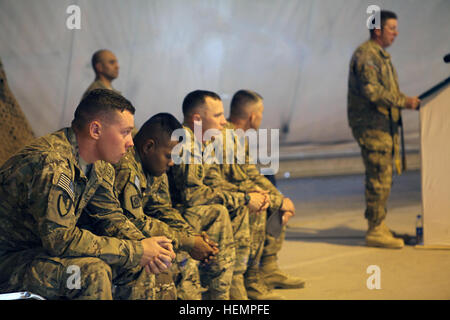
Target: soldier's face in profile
x: 389, y: 32
x: 212, y: 115
x: 109, y: 65
x: 115, y: 138
x: 157, y: 158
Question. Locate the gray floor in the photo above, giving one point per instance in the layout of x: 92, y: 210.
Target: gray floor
x: 325, y: 243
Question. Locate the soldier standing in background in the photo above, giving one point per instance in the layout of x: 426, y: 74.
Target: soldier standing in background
x: 374, y: 114
x: 48, y: 185
x: 106, y: 68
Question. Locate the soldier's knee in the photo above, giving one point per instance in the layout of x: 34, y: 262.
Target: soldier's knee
x: 95, y: 270
x: 220, y: 209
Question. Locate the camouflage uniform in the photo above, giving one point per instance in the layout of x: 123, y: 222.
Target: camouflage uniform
x: 272, y: 245
x: 43, y: 194
x: 146, y: 202
x: 233, y: 178
x: 188, y: 190
x: 98, y: 84
x: 374, y: 104
x: 243, y: 177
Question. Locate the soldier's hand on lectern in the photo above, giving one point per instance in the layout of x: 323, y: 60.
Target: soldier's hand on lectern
x: 412, y: 103
x: 158, y: 254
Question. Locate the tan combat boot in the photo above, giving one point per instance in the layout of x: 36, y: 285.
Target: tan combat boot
x: 237, y: 289
x: 257, y: 289
x: 379, y: 235
x: 274, y: 278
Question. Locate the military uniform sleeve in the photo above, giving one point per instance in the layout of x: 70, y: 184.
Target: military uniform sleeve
x: 104, y: 207
x: 131, y: 201
x: 194, y: 192
x: 159, y: 206
x: 215, y: 179
x: 368, y: 72
x: 56, y: 218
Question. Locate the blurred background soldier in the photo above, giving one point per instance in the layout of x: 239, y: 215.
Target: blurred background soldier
x: 106, y: 68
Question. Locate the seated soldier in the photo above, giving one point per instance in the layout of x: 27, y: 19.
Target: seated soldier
x: 43, y: 190
x: 246, y: 112
x: 142, y: 184
x: 188, y: 187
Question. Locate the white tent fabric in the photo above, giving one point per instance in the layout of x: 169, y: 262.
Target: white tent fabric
x: 294, y: 53
x: 435, y: 157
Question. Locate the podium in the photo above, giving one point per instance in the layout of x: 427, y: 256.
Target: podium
x: 435, y: 165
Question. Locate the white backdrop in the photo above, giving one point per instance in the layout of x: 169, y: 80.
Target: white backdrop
x: 293, y: 52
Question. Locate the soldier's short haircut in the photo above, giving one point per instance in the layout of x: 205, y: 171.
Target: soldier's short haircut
x: 99, y: 104
x: 159, y: 128
x: 384, y: 15
x: 96, y: 58
x: 241, y: 100
x: 196, y: 99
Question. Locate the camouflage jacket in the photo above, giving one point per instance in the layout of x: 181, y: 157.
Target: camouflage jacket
x: 374, y: 99
x: 146, y: 201
x: 187, y: 185
x: 241, y: 177
x: 43, y: 192
x: 98, y: 84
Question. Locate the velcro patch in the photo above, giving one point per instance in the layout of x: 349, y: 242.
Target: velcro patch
x: 135, y: 201
x: 64, y: 204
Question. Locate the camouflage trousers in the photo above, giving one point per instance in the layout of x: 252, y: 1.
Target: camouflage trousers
x: 273, y: 245
x: 186, y: 277
x: 216, y: 276
x: 242, y: 239
x: 73, y: 278
x: 257, y: 224
x: 378, y: 182
x: 165, y: 288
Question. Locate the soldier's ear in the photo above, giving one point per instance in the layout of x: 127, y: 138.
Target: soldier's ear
x: 377, y: 32
x: 196, y: 117
x: 251, y: 118
x: 95, y: 129
x: 148, y: 146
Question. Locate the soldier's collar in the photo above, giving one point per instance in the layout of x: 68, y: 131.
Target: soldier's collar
x: 139, y: 168
x: 381, y: 50
x: 72, y: 138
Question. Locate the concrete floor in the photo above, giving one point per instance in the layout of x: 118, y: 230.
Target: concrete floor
x: 325, y: 243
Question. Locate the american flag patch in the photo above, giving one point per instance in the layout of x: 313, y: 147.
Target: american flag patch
x: 66, y: 184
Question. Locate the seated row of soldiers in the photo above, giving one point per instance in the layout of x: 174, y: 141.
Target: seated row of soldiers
x: 90, y: 212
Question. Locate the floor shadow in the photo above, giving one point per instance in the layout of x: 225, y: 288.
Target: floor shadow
x: 339, y: 235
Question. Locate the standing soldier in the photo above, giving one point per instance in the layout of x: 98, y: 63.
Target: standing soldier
x: 374, y: 113
x: 106, y: 69
x: 49, y: 185
x: 142, y: 184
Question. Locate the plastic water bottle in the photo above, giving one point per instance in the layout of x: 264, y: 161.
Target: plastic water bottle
x: 419, y: 230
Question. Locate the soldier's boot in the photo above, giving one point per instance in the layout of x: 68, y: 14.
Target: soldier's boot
x: 237, y: 290
x: 274, y: 278
x: 257, y: 289
x: 379, y: 235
